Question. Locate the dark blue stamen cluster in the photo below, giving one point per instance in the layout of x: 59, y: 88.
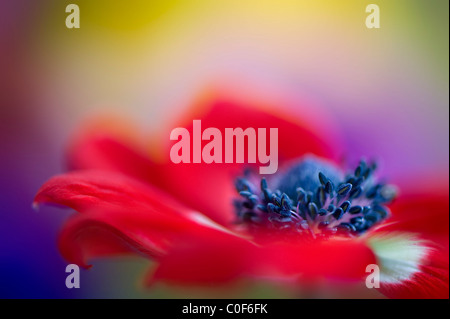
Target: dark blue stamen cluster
x: 315, y: 198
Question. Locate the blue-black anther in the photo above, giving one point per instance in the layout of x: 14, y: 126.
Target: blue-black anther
x: 253, y: 198
x: 312, y: 207
x: 372, y: 216
x: 345, y: 205
x: 301, y: 195
x: 355, y: 192
x: 344, y: 189
x: 381, y: 210
x: 360, y: 170
x: 338, y: 213
x: 285, y: 213
x: 272, y: 208
x: 239, y: 185
x: 372, y: 192
x: 301, y: 210
x: 329, y: 187
x: 356, y: 220
x: 285, y: 202
x: 358, y: 181
x: 321, y: 196
x: 267, y: 195
x: 313, y: 188
x: 263, y: 184
x: 242, y: 184
x: 276, y: 200
x: 248, y: 204
x: 245, y: 194
x: 355, y: 210
x: 322, y: 178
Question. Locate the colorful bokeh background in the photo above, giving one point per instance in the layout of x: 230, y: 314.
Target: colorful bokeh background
x: 386, y: 90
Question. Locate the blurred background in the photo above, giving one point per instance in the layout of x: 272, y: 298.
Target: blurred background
x: 386, y: 89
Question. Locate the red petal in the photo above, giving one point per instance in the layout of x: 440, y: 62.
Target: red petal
x: 92, y: 235
x: 424, y: 213
x: 108, y: 145
x: 122, y: 231
x: 121, y: 215
x: 205, y: 187
x: 103, y: 195
x: 221, y: 259
x: 101, y: 190
x: 209, y: 188
x: 130, y: 216
x: 334, y: 259
x: 205, y: 260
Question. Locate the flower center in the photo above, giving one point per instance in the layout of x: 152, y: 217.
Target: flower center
x: 313, y: 197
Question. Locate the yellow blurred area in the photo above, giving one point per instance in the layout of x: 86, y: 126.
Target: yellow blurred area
x: 149, y: 59
x: 128, y: 17
x: 126, y: 49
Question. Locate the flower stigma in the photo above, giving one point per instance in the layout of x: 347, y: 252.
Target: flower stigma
x: 315, y: 198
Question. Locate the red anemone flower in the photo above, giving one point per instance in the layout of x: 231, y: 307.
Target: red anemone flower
x: 214, y: 223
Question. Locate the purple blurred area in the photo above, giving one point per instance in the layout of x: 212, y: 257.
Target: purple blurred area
x: 30, y: 265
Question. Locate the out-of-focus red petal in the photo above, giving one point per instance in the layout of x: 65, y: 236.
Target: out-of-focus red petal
x: 145, y: 232
x: 209, y: 188
x: 110, y: 145
x: 204, y: 187
x: 88, y: 236
x: 333, y: 259
x: 198, y: 260
x: 89, y: 190
x: 423, y: 212
x: 222, y: 259
x: 122, y: 231
x: 120, y: 215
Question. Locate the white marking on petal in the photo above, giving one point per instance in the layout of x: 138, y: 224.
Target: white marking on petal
x: 399, y: 255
